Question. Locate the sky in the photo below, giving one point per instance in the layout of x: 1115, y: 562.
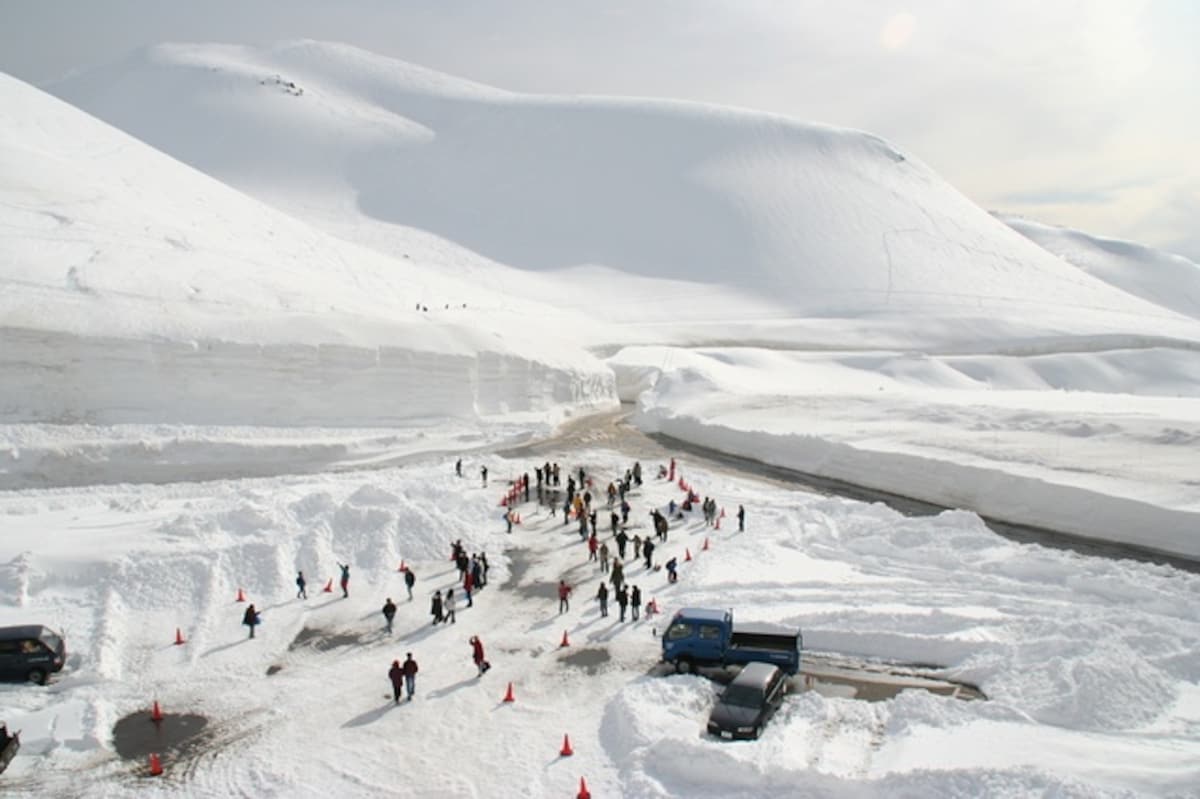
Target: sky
x: 1081, y: 114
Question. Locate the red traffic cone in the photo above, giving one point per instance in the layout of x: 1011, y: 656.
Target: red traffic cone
x: 687, y: 554
x: 329, y: 586
x: 565, y: 642
x: 705, y: 547
x: 653, y: 605
x: 504, y: 501
x: 156, y: 713
x: 402, y: 568
x: 722, y: 516
x: 241, y: 597
x: 179, y: 637
x: 508, y: 695
x: 566, y: 750
x: 584, y: 793
x: 155, y: 765
x: 718, y: 525
x: 517, y: 520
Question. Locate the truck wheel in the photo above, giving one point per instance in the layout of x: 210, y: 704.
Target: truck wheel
x: 37, y: 676
x: 684, y: 666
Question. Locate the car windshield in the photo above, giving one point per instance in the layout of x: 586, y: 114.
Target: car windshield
x: 678, y: 630
x: 51, y: 640
x: 742, y: 696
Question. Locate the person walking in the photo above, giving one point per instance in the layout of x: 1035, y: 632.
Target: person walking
x: 672, y: 576
x: 741, y: 514
x: 469, y: 585
x: 389, y: 613
x: 637, y: 546
x: 477, y: 656
x: 617, y: 578
x: 648, y: 551
x: 458, y: 468
x: 449, y: 605
x: 435, y: 607
x: 396, y: 675
x: 410, y: 580
x: 635, y: 603
x: 483, y: 475
x: 564, y: 593
x: 410, y: 675
x: 593, y: 547
x: 604, y: 557
x: 302, y: 585
x: 602, y: 595
x: 345, y: 567
x: 250, y: 618
x: 622, y: 600
x: 622, y: 540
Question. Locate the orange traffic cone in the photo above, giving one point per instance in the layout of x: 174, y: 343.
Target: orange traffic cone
x: 722, y: 516
x: 687, y: 554
x: 566, y: 750
x: 565, y: 642
x: 402, y: 568
x: 329, y: 586
x: 584, y: 793
x: 155, y: 765
x: 241, y: 597
x: 508, y: 695
x: 156, y: 712
x: 705, y: 547
x: 718, y: 525
x: 179, y: 637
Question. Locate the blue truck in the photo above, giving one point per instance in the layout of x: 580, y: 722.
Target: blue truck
x: 699, y: 637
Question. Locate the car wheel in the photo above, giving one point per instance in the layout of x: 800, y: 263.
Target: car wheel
x: 37, y: 676
x: 684, y: 666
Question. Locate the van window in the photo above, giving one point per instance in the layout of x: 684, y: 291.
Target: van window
x: 678, y: 630
x: 710, y: 632
x: 30, y: 647
x: 9, y: 647
x: 52, y: 641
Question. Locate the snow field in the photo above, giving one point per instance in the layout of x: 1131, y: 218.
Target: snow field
x: 1079, y: 655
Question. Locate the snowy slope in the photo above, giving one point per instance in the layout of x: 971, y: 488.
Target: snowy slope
x: 137, y: 289
x: 750, y: 217
x: 1163, y: 278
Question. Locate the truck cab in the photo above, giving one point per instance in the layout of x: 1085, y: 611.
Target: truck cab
x: 705, y: 637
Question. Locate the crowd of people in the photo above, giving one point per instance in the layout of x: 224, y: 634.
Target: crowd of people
x: 577, y: 502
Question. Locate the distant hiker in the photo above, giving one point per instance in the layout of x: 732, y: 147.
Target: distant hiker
x: 625, y: 507
x: 410, y: 580
x: 410, y: 675
x: 637, y: 472
x: 637, y: 546
x: 477, y: 655
x: 345, y: 567
x: 648, y: 551
x: 458, y: 468
x: 483, y: 474
x: 450, y: 605
x: 435, y: 608
x: 604, y: 557
x: 593, y: 547
x: 525, y: 483
x: 614, y: 521
x: 622, y: 600
x: 602, y: 595
x: 483, y: 574
x: 389, y: 613
x: 508, y: 520
x: 592, y: 521
x: 250, y: 619
x: 396, y: 675
x: 635, y: 602
x: 564, y: 593
x: 302, y: 585
x: 462, y: 562
x: 672, y: 576
x: 741, y: 514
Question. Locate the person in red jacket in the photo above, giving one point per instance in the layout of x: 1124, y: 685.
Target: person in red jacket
x: 477, y: 655
x: 564, y: 592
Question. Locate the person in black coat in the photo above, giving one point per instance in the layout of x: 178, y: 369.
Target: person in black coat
x: 389, y: 613
x: 396, y: 675
x: 435, y: 607
x: 250, y: 618
x: 410, y: 580
x: 410, y: 675
x: 635, y: 603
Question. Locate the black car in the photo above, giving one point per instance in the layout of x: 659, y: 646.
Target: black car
x: 30, y: 652
x: 748, y: 702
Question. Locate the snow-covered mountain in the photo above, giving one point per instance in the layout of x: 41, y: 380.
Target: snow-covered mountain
x: 137, y: 289
x: 748, y: 216
x: 1165, y: 279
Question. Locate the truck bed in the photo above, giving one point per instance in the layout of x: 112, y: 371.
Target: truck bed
x: 753, y: 636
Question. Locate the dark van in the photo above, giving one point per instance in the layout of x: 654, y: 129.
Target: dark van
x: 748, y: 702
x: 31, y: 652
